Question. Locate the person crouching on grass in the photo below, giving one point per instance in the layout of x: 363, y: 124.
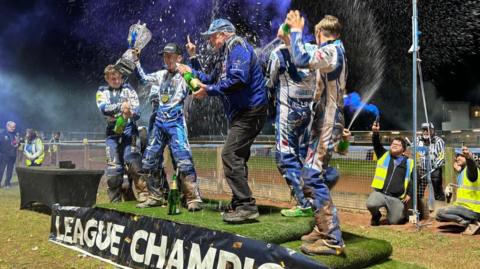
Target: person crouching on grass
x: 392, y: 181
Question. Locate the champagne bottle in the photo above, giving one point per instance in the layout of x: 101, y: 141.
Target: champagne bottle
x: 286, y: 28
x: 192, y: 81
x: 120, y: 124
x: 174, y: 198
x: 343, y: 145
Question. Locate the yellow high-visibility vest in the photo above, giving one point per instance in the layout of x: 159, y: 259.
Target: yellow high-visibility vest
x: 382, y: 169
x: 38, y: 146
x: 468, y: 193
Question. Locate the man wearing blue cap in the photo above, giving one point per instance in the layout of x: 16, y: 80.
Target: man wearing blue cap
x: 238, y: 80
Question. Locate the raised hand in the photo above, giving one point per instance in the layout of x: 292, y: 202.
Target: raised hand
x: 295, y: 20
x: 183, y: 68
x: 466, y: 152
x: 201, y: 93
x: 126, y: 110
x: 376, y: 127
x: 191, y: 47
x: 346, y: 134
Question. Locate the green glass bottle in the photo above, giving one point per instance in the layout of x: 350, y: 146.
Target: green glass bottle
x: 343, y: 145
x: 286, y: 28
x: 174, y: 198
x: 120, y: 124
x: 192, y: 81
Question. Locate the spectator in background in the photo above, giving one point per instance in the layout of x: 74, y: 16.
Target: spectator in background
x: 9, y: 141
x: 466, y: 209
x: 53, y: 148
x: 33, y: 149
x: 391, y: 184
x: 432, y: 162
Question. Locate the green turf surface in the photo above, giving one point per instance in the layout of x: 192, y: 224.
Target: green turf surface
x: 360, y: 252
x: 272, y: 227
x: 269, y: 227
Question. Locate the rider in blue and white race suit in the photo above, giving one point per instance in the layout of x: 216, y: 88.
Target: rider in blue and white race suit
x: 170, y: 129
x: 294, y: 89
x: 120, y: 145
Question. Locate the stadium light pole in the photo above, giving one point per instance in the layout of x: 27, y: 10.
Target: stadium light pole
x: 414, y: 103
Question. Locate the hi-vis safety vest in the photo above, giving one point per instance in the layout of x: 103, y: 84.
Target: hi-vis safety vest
x: 468, y: 193
x: 37, y: 146
x: 381, y: 172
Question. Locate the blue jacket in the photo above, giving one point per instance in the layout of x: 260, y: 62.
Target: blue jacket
x: 239, y: 81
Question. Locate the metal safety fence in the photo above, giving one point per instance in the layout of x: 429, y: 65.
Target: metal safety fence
x: 356, y: 170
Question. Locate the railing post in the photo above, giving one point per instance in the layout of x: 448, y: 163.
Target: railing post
x: 57, y: 158
x: 86, y: 162
x: 219, y: 170
x: 449, y: 175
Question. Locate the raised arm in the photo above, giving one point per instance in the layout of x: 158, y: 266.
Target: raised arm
x: 377, y: 146
x: 152, y: 77
x: 272, y: 70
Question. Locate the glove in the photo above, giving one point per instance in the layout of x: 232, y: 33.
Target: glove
x: 448, y: 192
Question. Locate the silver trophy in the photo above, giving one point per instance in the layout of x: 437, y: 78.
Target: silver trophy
x: 138, y: 38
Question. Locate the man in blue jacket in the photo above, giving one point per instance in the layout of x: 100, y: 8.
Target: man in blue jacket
x: 238, y: 80
x: 9, y: 142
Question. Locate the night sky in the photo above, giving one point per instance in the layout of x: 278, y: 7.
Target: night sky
x: 52, y: 53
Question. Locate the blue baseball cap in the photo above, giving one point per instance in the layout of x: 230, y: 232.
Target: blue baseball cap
x: 219, y: 25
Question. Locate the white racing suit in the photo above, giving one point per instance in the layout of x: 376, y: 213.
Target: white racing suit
x: 169, y: 129
x: 294, y: 89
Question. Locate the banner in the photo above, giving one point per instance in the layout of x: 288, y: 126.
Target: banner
x: 132, y: 241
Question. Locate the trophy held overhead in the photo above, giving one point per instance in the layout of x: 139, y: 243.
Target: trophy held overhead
x: 138, y: 38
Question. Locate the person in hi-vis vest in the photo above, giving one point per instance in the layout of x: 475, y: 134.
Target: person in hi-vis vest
x: 391, y: 183
x: 466, y: 208
x: 33, y: 150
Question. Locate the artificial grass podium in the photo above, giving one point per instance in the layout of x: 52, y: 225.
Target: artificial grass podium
x: 271, y: 227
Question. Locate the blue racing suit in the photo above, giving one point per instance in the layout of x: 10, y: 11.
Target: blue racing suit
x: 170, y: 129
x: 119, y: 148
x: 294, y: 94
x: 327, y: 126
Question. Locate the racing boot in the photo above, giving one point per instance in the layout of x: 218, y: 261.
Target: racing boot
x: 114, y: 183
x: 191, y: 194
x: 322, y: 247
x: 156, y: 197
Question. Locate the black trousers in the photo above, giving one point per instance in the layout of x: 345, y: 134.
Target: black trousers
x: 245, y: 126
x: 436, y: 177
